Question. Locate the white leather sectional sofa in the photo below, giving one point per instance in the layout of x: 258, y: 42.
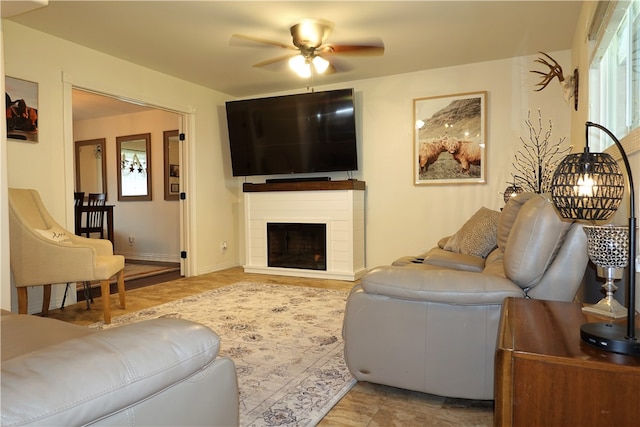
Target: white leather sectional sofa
x: 429, y: 323
x: 162, y: 372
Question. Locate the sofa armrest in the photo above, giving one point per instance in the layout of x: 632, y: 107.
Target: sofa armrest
x: 125, y: 365
x: 453, y: 260
x: 439, y: 285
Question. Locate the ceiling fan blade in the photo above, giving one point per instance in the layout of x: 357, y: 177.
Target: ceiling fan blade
x: 250, y: 41
x: 354, y: 49
x: 274, y: 60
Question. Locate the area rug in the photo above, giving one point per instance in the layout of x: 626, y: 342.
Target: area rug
x: 286, y: 343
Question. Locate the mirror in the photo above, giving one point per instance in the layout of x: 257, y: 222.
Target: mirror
x: 171, y: 165
x: 91, y: 166
x: 134, y: 164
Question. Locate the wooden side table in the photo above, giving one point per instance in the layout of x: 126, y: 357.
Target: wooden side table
x: 546, y: 376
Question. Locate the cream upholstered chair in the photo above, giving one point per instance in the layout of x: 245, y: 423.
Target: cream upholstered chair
x: 43, y: 253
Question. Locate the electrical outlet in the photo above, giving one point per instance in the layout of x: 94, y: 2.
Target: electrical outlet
x: 132, y: 240
x: 223, y: 246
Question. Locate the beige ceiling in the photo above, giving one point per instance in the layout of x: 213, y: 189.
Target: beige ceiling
x: 191, y: 39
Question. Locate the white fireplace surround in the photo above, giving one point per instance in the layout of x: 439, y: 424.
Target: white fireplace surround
x: 341, y: 210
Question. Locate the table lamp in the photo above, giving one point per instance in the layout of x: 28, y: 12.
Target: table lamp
x: 512, y: 190
x: 589, y: 186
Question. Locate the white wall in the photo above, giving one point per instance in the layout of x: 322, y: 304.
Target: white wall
x: 155, y: 224
x: 401, y: 218
x: 404, y: 219
x: 48, y: 165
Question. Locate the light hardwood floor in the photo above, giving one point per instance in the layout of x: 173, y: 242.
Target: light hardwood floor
x: 365, y: 405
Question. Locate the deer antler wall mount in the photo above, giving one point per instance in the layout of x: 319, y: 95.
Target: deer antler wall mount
x: 569, y: 84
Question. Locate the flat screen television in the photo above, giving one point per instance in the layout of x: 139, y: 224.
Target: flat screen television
x: 303, y: 133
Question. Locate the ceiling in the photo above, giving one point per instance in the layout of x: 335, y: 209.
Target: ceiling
x: 191, y: 39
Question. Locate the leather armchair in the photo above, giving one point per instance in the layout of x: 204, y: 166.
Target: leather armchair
x: 43, y: 253
x: 430, y: 323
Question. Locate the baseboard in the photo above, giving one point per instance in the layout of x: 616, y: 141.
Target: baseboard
x: 217, y: 267
x: 149, y: 256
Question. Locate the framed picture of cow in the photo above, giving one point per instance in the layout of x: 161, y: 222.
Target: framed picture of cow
x: 21, y: 102
x: 449, y: 138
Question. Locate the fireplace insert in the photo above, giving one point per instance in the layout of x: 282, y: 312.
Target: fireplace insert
x: 297, y: 245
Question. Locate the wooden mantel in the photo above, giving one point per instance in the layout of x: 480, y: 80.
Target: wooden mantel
x: 350, y: 184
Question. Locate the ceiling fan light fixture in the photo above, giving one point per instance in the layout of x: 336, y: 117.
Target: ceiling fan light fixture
x: 320, y: 64
x: 300, y: 65
x: 308, y: 33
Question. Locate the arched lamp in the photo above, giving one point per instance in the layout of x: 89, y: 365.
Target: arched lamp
x: 589, y: 186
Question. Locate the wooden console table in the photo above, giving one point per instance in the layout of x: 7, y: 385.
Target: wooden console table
x: 546, y: 376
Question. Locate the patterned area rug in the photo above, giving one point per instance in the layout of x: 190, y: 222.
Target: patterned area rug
x: 286, y: 343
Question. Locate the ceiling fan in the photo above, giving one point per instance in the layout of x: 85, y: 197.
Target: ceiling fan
x: 310, y: 49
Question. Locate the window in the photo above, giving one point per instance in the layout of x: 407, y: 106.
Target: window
x: 614, y: 79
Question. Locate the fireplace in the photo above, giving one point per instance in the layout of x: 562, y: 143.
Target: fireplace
x: 333, y: 209
x: 297, y: 245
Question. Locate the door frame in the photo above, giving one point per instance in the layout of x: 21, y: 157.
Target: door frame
x: 187, y: 126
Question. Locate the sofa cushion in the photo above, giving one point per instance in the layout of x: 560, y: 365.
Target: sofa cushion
x: 535, y: 238
x: 477, y: 236
x: 509, y: 215
x: 438, y: 286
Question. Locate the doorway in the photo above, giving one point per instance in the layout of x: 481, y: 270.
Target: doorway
x: 136, y: 223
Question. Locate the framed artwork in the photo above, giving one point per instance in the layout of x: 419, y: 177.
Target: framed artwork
x: 449, y: 139
x: 21, y: 101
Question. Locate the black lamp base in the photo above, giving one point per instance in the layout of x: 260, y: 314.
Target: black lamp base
x: 610, y: 337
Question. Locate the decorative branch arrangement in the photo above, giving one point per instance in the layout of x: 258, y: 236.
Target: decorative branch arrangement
x: 538, y: 159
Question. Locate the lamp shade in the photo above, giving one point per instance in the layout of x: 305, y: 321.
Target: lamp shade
x: 512, y: 191
x: 300, y: 65
x: 587, y: 186
x: 608, y: 245
x: 320, y: 64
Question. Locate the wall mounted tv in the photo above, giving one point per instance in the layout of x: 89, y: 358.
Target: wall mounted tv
x: 310, y: 132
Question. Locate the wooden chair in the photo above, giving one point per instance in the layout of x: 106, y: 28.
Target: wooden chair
x: 78, y: 198
x: 95, y: 219
x: 43, y: 253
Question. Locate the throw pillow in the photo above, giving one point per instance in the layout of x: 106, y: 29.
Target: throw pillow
x: 56, y: 234
x: 478, y: 236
